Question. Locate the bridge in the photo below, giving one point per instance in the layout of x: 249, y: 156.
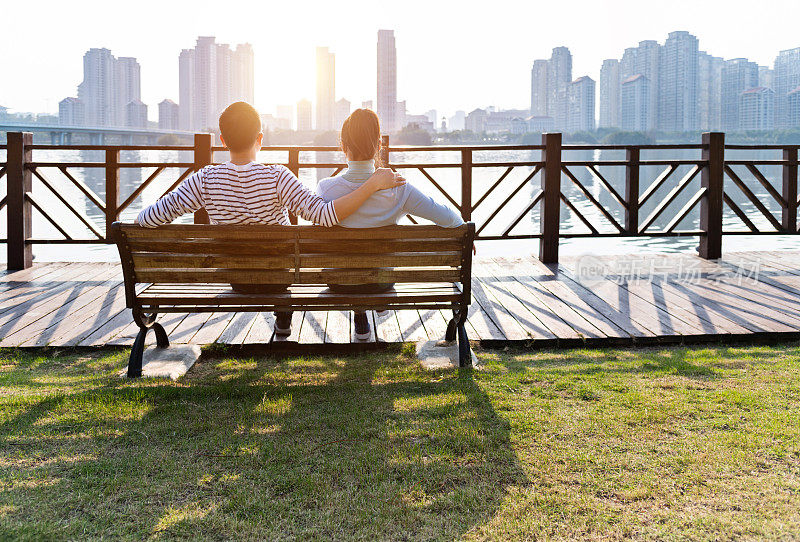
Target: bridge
x: 62, y: 135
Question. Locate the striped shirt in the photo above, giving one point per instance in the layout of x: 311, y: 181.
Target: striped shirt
x: 241, y: 194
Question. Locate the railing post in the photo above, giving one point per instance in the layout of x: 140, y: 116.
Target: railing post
x: 18, y: 210
x: 466, y: 185
x: 711, y: 179
x: 294, y: 167
x: 551, y: 198
x: 203, y: 156
x: 112, y: 190
x: 789, y: 213
x: 632, y: 156
x: 384, y: 154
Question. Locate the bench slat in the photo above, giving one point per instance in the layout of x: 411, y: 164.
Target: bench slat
x: 230, y: 247
x: 278, y: 248
x: 389, y: 232
x: 322, y: 298
x: 263, y: 232
x: 385, y: 246
x: 143, y: 260
x: 408, y: 259
x: 331, y: 276
x: 165, y: 260
x: 434, y: 305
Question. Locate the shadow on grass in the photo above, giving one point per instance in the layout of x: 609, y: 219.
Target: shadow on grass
x: 366, y: 447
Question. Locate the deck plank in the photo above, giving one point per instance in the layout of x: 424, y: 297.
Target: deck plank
x: 387, y: 328
x: 313, y: 328
x: 411, y: 327
x: 39, y: 316
x: 262, y: 329
x: 562, y: 321
x: 337, y: 327
x: 640, y: 312
x: 515, y: 298
x: 83, y: 320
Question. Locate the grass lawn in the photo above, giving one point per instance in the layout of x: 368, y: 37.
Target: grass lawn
x: 657, y: 443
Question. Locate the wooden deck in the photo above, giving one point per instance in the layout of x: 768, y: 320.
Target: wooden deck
x: 593, y: 301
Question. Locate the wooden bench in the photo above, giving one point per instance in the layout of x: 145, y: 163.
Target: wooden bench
x: 188, y: 268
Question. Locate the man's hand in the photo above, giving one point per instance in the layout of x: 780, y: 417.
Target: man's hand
x: 385, y: 178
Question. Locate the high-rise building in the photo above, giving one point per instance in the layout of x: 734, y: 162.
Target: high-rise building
x: 648, y: 63
x: 285, y: 112
x: 168, y: 115
x: 204, y: 86
x: 677, y: 92
x: 793, y: 108
x: 387, y: 81
x: 457, y: 121
x: 136, y: 114
x: 627, y: 66
x: 326, y: 89
x: 129, y: 86
x: 738, y: 75
x: 97, y: 91
x: 342, y: 111
x: 186, y: 89
x: 243, y: 70
x: 211, y: 77
x: 609, y: 94
x: 71, y: 112
x: 580, y: 109
x: 304, y: 116
x: 367, y: 104
x: 709, y: 92
x: 432, y: 116
x: 539, y: 88
x: 787, y: 78
x: 635, y: 100
x: 559, y: 78
x: 109, y: 85
x: 757, y: 109
x: 766, y: 77
x: 224, y: 77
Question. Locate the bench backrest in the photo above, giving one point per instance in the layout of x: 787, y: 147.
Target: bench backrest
x: 256, y: 254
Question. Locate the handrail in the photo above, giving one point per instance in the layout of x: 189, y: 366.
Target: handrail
x: 595, y: 200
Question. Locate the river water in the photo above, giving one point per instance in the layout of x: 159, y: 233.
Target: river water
x: 449, y: 180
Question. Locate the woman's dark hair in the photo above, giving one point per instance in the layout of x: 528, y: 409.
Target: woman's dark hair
x: 361, y: 135
x: 239, y: 125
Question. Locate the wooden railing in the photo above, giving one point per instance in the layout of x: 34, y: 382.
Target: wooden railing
x: 559, y: 188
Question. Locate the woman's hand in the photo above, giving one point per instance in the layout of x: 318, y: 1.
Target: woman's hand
x: 384, y: 178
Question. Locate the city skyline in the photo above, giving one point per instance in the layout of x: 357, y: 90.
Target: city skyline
x: 435, y: 72
x: 671, y: 87
x: 678, y: 88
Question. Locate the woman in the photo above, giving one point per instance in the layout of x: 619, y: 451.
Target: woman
x: 361, y: 143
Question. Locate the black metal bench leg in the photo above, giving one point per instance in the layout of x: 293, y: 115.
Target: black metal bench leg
x: 450, y: 334
x: 464, y: 355
x: 162, y: 341
x: 135, y: 361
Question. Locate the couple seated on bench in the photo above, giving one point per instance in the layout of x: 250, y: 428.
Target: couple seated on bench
x: 243, y: 191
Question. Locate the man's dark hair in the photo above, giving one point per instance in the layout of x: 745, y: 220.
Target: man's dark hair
x: 239, y: 125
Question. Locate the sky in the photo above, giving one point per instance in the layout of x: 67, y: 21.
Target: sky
x: 451, y: 55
